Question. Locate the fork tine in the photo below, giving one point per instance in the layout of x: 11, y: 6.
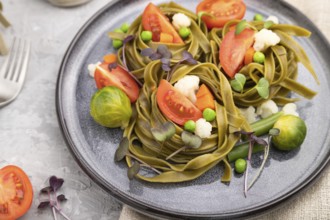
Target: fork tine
x: 25, y: 61
x: 13, y: 60
x: 20, y: 59
x: 4, y: 67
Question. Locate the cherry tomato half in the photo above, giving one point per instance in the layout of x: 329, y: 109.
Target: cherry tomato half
x: 232, y: 50
x: 16, y: 193
x: 174, y: 105
x: 116, y: 77
x: 155, y: 21
x: 223, y: 11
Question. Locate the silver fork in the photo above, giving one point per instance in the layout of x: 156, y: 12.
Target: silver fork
x: 13, y: 71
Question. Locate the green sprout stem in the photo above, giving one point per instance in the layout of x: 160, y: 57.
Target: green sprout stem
x: 142, y: 162
x: 176, y: 152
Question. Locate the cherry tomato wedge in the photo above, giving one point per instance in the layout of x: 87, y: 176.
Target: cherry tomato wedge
x: 174, y: 105
x: 155, y: 21
x: 233, y: 49
x: 16, y: 193
x: 116, y: 77
x: 223, y: 11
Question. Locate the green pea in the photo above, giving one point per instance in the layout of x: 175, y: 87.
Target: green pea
x: 124, y: 27
x: 117, y: 43
x: 209, y: 114
x: 146, y: 36
x: 118, y: 30
x: 190, y: 125
x: 259, y: 57
x: 258, y: 17
x: 240, y: 165
x: 184, y: 32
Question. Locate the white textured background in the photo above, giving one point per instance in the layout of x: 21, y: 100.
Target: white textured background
x: 29, y: 131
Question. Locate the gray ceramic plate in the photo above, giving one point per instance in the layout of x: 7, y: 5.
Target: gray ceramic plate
x: 93, y: 146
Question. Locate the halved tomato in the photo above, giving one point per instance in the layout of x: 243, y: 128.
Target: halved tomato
x: 16, y: 193
x: 174, y: 105
x: 232, y: 50
x: 223, y: 11
x: 116, y: 77
x: 155, y: 21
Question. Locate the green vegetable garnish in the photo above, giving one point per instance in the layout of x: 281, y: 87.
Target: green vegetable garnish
x: 209, y: 114
x: 258, y: 17
x: 110, y: 107
x: 146, y: 36
x: 124, y: 27
x: 240, y: 165
x: 259, y: 57
x: 240, y: 27
x: 238, y: 83
x: 263, y: 88
x: 164, y: 132
x: 292, y: 132
x: 268, y: 24
x: 190, y: 125
x: 184, y: 32
x: 118, y: 30
x: 117, y: 43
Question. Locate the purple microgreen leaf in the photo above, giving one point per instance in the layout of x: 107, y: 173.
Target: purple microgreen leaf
x: 128, y: 39
x: 133, y: 170
x: 166, y: 64
x: 242, y: 132
x: 61, y: 198
x: 163, y: 50
x: 46, y: 189
x: 192, y: 61
x: 112, y: 66
x: 166, y: 67
x: 147, y: 52
x: 259, y: 140
x: 155, y: 56
x: 55, y: 182
x: 122, y: 149
x: 186, y: 55
x: 43, y: 205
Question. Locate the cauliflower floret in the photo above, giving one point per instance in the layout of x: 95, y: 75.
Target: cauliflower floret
x: 180, y: 20
x: 249, y: 113
x: 188, y: 86
x: 267, y: 109
x: 290, y: 109
x: 203, y: 128
x: 264, y: 39
x: 273, y: 18
x: 91, y: 68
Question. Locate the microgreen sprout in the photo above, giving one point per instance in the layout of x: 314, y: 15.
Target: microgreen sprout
x: 203, y: 13
x: 272, y: 132
x: 252, y: 141
x: 125, y: 41
x: 53, y: 199
x: 240, y: 27
x: 112, y: 66
x: 238, y: 83
x: 164, y: 132
x: 263, y: 88
x: 186, y: 57
x: 162, y: 53
x: 190, y: 141
x: 123, y: 151
x: 268, y: 24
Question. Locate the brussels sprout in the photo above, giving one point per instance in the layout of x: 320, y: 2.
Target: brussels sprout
x: 110, y: 107
x: 292, y: 132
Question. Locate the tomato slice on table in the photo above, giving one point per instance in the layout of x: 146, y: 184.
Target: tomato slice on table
x: 16, y: 193
x: 223, y: 11
x: 155, y: 21
x: 174, y: 105
x: 232, y: 50
x: 116, y: 77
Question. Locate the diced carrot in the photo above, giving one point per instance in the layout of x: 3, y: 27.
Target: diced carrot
x: 248, y: 58
x: 232, y: 27
x: 166, y: 38
x: 110, y: 58
x: 205, y: 98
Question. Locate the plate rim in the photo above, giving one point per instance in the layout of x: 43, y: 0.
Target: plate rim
x: 142, y: 206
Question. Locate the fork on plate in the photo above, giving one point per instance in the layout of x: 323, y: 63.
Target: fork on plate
x: 13, y: 70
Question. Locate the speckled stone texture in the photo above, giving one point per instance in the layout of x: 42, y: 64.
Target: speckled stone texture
x: 30, y: 136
